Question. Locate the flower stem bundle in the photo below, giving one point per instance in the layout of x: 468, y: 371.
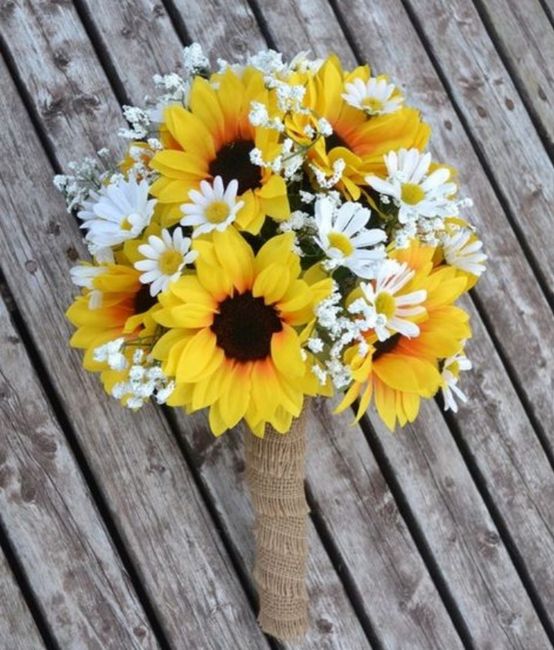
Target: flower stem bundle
x: 275, y: 470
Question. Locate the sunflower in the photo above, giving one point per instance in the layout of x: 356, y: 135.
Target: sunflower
x: 113, y: 304
x: 400, y: 370
x: 233, y: 343
x: 214, y: 137
x: 358, y: 138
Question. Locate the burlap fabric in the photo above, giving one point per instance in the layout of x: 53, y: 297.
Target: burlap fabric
x: 275, y: 470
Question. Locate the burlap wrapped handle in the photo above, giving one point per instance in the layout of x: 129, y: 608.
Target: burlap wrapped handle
x: 275, y: 470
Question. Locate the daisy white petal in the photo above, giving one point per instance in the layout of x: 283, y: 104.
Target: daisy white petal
x: 342, y: 235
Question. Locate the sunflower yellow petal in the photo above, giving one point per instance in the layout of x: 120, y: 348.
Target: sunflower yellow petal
x: 286, y: 352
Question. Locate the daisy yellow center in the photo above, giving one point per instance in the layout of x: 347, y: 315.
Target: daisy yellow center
x: 454, y: 368
x: 385, y: 304
x: 126, y: 224
x: 244, y: 327
x: 372, y: 104
x: 412, y: 193
x: 341, y: 242
x: 169, y: 261
x: 217, y: 212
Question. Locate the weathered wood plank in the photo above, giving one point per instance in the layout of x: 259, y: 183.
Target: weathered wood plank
x: 369, y: 549
x: 485, y: 95
x: 17, y: 627
x: 525, y: 38
x: 533, y: 507
x: 463, y: 539
x: 137, y: 463
x: 51, y: 521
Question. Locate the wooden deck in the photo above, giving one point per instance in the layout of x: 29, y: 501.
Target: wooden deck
x: 133, y: 531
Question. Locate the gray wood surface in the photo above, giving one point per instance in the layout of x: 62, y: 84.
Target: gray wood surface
x: 49, y: 517
x: 525, y: 38
x: 429, y: 538
x: 17, y: 627
x: 503, y: 134
x: 149, y: 488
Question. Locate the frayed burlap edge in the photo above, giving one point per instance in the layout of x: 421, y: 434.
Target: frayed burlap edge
x: 275, y: 470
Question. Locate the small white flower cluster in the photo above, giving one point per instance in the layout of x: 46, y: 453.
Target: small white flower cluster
x: 139, y: 121
x: 327, y: 182
x: 141, y: 156
x: 259, y: 116
x: 335, y: 330
x: 85, y: 176
x: 271, y: 63
x: 111, y: 353
x: 145, y: 378
x: 173, y: 88
x: 194, y: 59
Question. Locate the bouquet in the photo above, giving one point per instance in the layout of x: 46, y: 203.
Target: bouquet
x: 275, y: 231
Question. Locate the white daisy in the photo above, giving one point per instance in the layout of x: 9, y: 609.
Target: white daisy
x: 375, y: 97
x: 450, y: 376
x: 416, y: 193
x: 390, y: 304
x: 342, y: 234
x: 165, y: 258
x: 118, y: 212
x: 213, y: 208
x: 464, y: 253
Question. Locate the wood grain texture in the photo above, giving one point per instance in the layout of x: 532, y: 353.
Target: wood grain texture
x: 502, y: 130
x: 17, y: 627
x: 51, y: 521
x: 516, y: 311
x: 491, y: 387
x: 148, y: 487
x: 524, y: 36
x: 464, y: 540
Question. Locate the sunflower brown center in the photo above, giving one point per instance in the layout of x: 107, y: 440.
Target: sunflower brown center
x: 334, y: 140
x: 143, y: 300
x: 382, y: 347
x: 233, y: 161
x: 244, y: 327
